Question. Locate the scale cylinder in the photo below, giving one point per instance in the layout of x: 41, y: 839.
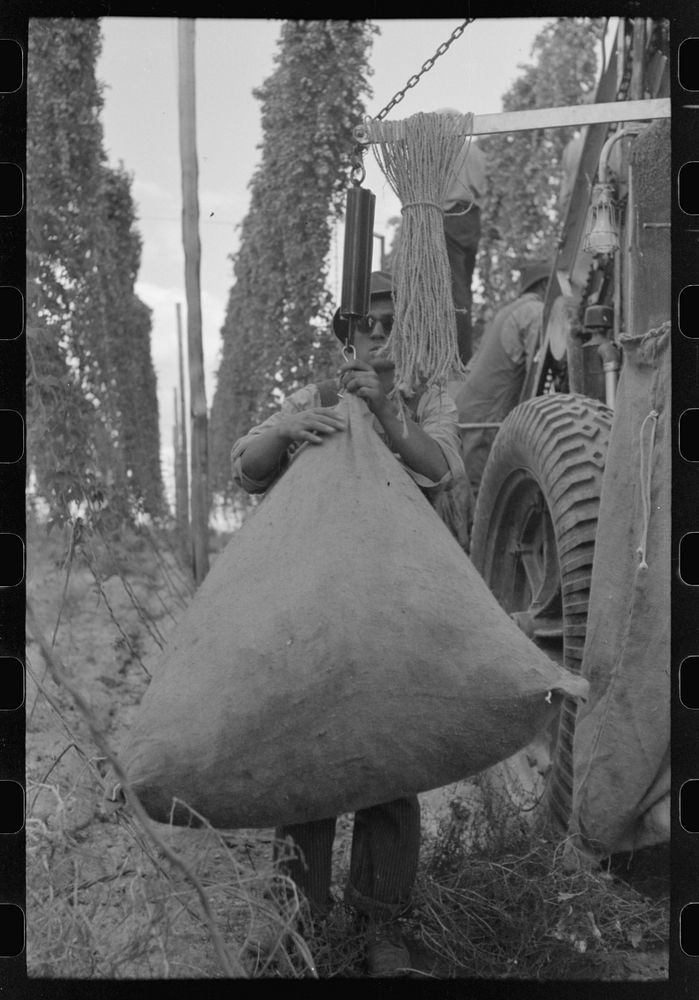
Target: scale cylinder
x: 359, y: 242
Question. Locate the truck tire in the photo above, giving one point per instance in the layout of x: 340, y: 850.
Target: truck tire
x: 533, y: 542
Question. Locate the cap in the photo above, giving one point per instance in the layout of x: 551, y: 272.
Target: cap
x: 380, y: 283
x: 599, y: 316
x: 380, y: 286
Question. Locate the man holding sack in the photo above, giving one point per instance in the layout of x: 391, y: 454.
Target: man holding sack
x: 425, y: 439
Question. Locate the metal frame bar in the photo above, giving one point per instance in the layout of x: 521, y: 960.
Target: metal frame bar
x: 523, y: 121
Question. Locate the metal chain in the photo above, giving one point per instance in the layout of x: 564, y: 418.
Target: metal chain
x: 456, y: 33
x: 358, y: 173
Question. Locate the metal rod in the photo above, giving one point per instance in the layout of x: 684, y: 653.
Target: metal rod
x: 611, y: 370
x: 607, y: 148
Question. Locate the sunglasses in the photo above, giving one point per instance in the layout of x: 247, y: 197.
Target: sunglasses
x: 367, y: 323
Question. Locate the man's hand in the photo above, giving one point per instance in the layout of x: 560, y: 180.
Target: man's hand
x: 361, y: 379
x: 310, y: 425
x: 417, y: 449
x: 263, y: 452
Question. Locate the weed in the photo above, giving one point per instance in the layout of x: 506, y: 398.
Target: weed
x: 509, y: 908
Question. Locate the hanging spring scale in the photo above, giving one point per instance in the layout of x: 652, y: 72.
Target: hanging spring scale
x: 359, y: 237
x: 358, y: 175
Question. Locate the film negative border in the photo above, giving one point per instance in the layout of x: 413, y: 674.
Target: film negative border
x: 684, y: 953
x: 684, y: 967
x: 13, y: 82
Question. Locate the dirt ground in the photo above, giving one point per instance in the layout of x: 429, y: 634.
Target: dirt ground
x: 102, y: 901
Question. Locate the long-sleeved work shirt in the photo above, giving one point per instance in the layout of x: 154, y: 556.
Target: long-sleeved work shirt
x: 434, y: 411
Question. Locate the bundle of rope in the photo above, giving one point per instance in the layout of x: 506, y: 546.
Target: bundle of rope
x: 417, y: 156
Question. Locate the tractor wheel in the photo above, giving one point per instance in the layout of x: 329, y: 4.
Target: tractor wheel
x: 533, y: 542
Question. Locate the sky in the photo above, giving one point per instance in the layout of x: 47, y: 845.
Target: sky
x: 138, y: 67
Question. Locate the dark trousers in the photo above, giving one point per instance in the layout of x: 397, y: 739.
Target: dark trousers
x: 383, y: 860
x: 462, y: 230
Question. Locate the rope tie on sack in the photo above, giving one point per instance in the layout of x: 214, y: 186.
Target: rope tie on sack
x: 416, y: 204
x: 646, y: 476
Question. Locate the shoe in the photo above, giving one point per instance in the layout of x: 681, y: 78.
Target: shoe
x: 387, y: 953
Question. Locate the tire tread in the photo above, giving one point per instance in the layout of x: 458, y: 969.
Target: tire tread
x: 561, y: 440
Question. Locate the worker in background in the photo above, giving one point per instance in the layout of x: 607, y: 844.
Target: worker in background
x: 462, y: 229
x: 494, y: 381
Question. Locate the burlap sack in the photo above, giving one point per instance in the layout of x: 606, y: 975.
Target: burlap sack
x: 342, y: 651
x: 621, y: 752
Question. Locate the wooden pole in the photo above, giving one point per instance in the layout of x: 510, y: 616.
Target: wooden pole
x: 176, y: 459
x: 181, y: 491
x: 192, y: 256
x: 183, y: 477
